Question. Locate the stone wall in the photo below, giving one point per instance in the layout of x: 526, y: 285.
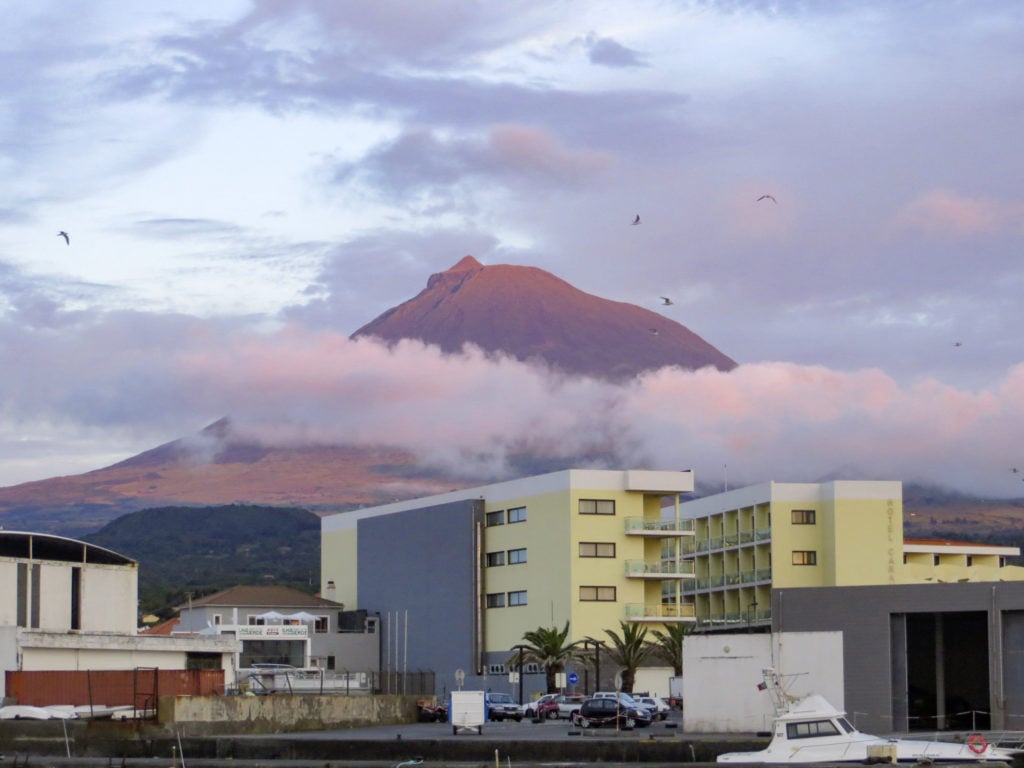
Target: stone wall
x: 282, y: 713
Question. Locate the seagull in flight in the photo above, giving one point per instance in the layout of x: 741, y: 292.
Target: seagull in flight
x: 64, y: 234
x: 958, y: 343
x: 666, y: 301
x: 767, y: 197
x: 636, y: 220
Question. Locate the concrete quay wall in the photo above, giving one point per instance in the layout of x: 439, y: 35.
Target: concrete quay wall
x: 281, y: 713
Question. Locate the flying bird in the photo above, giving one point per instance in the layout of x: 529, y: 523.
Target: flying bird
x: 666, y: 301
x: 767, y: 197
x: 636, y: 220
x: 958, y: 343
x: 64, y: 234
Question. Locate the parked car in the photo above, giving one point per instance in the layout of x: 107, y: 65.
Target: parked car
x: 562, y: 706
x: 501, y: 706
x: 606, y: 712
x: 538, y: 707
x: 622, y: 696
x: 657, y: 706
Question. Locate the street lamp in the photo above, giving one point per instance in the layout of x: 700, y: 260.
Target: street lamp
x: 520, y: 648
x: 751, y: 614
x: 597, y: 659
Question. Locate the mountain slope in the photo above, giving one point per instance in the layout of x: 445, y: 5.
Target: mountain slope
x: 530, y: 314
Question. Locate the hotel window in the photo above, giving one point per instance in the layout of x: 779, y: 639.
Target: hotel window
x: 805, y: 557
x: 517, y: 598
x: 495, y: 518
x: 597, y: 549
x: 495, y: 558
x: 803, y: 517
x: 516, y: 556
x: 597, y: 594
x: 496, y: 600
x: 517, y: 515
x: 321, y: 625
x: 597, y: 506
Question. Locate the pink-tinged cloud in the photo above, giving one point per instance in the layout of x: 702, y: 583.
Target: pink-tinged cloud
x: 943, y: 212
x: 769, y: 421
x: 537, y: 150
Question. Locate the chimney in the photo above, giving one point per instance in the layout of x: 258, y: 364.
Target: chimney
x: 331, y: 592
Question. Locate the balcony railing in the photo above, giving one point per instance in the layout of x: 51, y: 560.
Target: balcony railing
x: 639, y: 526
x: 670, y: 612
x: 658, y: 570
x: 733, y: 540
x: 728, y: 580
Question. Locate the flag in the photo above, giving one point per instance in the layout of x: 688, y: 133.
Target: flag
x: 762, y: 686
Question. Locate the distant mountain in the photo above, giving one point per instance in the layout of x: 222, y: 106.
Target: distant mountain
x: 199, y: 550
x: 530, y: 314
x: 218, y: 466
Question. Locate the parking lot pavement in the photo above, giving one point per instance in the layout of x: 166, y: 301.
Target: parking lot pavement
x: 504, y: 730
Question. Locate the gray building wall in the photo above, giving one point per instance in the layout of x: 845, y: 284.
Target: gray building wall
x: 876, y: 622
x: 428, y: 605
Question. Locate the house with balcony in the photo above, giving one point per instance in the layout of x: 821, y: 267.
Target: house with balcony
x: 458, y: 578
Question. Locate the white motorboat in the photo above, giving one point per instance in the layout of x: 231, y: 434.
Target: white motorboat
x: 810, y: 730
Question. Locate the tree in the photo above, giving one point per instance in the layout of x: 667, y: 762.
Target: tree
x: 547, y: 647
x: 668, y: 645
x: 628, y: 651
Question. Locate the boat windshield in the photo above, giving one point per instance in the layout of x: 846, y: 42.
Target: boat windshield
x: 845, y: 725
x: 811, y: 728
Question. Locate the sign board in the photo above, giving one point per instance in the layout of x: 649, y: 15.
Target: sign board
x: 513, y: 677
x: 467, y: 711
x: 560, y: 679
x: 573, y: 678
x: 265, y: 631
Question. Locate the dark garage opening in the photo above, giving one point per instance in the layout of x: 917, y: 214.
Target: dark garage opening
x: 947, y: 671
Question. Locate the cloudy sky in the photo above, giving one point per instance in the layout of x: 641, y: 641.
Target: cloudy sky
x: 245, y: 184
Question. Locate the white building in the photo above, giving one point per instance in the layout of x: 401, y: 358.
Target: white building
x: 70, y: 606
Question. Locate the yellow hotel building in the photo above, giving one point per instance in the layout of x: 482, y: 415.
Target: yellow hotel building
x: 836, y: 534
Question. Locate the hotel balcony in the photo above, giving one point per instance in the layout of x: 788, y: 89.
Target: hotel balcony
x: 642, y: 569
x: 744, y: 578
x: 734, y: 540
x: 639, y: 526
x: 661, y: 612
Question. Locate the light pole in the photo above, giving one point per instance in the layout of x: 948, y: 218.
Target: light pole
x: 520, y: 648
x: 597, y: 659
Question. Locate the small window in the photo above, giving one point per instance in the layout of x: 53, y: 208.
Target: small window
x: 970, y: 560
x: 516, y: 556
x: 811, y: 729
x: 256, y: 621
x: 321, y: 626
x: 936, y: 559
x: 597, y: 594
x: 597, y: 549
x: 495, y: 518
x: 496, y: 600
x: 496, y: 669
x: 517, y: 515
x: 216, y: 617
x: 517, y: 598
x: 495, y: 559
x: 803, y: 517
x: 597, y: 507
x: 330, y: 662
x: 805, y: 557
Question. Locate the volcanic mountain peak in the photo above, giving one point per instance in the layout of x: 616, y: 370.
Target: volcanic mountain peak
x: 530, y: 314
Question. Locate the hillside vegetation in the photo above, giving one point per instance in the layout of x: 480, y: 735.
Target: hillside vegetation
x: 201, y: 550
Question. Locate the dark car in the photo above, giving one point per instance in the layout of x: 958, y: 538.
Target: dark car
x: 598, y: 713
x: 501, y: 706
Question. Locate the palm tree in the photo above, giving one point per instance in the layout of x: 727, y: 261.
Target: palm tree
x: 628, y: 651
x: 668, y: 645
x: 547, y: 647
